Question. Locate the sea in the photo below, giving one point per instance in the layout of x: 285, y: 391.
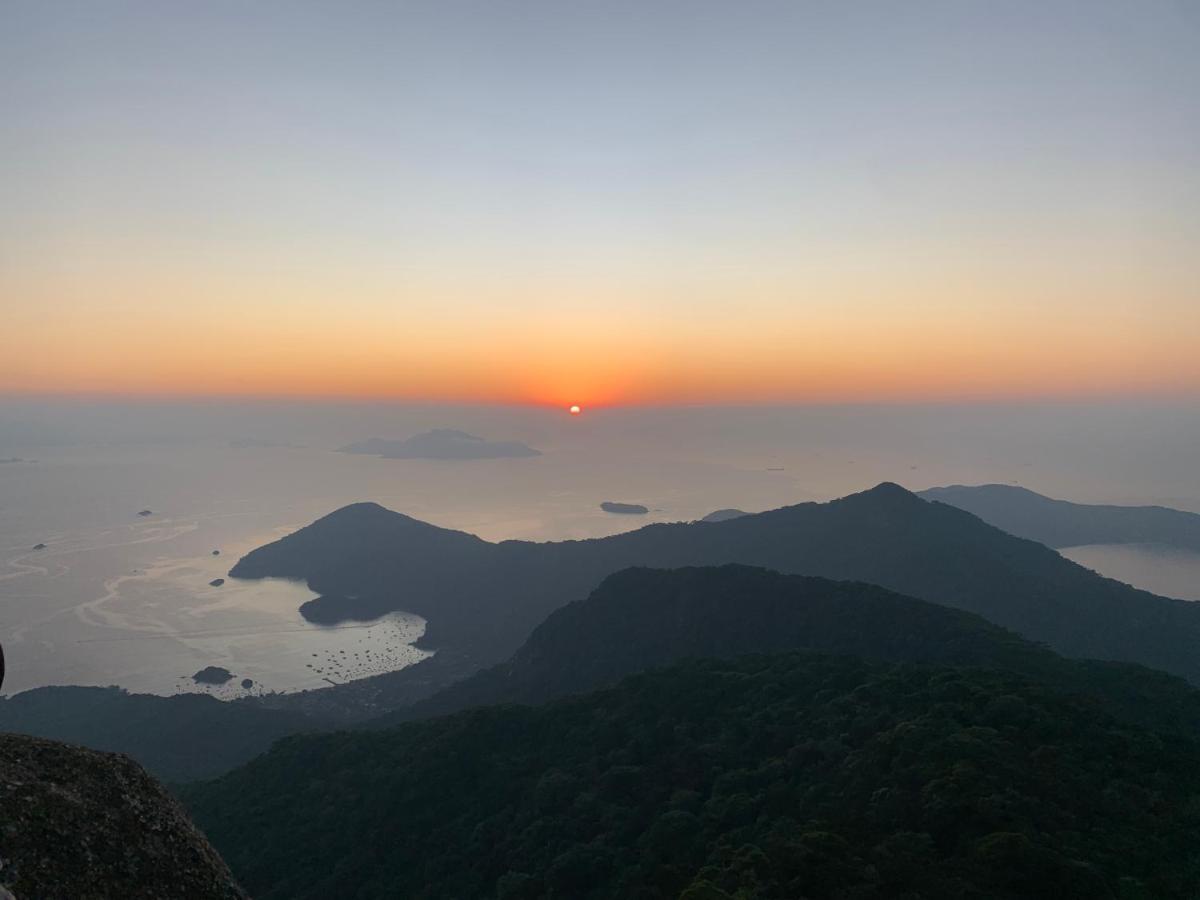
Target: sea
x: 144, y: 505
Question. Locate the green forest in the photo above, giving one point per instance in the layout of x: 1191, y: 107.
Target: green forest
x: 783, y: 776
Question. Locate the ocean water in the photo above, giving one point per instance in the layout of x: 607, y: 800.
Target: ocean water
x: 1169, y: 571
x: 118, y: 598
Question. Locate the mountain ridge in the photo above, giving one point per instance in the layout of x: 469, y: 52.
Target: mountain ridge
x: 482, y: 599
x: 1061, y: 523
x: 182, y: 737
x: 638, y: 619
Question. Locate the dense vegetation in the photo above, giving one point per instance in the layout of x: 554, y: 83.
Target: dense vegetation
x: 178, y: 738
x: 1059, y: 523
x: 483, y: 600
x: 781, y: 776
x: 641, y: 618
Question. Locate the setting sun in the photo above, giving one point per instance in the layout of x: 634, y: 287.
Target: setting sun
x: 575, y: 410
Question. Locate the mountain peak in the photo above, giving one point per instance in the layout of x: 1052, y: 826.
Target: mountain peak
x: 372, y: 515
x: 885, y: 492
x: 889, y: 488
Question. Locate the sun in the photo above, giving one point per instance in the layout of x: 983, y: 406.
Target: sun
x: 575, y: 410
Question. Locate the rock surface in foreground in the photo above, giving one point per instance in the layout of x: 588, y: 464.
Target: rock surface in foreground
x: 83, y: 824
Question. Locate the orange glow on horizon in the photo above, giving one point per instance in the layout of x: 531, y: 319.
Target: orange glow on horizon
x: 419, y: 221
x: 110, y: 336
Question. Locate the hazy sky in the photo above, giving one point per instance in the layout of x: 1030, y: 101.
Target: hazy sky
x: 601, y: 202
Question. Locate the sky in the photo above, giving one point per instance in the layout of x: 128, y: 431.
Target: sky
x: 613, y: 203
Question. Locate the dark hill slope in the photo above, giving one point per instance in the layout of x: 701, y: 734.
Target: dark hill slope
x: 766, y: 777
x: 1059, y: 523
x: 638, y: 619
x: 80, y: 825
x: 178, y: 738
x: 484, y: 599
x: 366, y: 560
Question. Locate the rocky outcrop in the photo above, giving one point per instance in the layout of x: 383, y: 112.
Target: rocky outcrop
x: 86, y: 825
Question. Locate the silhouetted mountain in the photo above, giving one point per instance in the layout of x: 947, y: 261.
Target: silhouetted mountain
x: 767, y: 777
x: 641, y: 618
x: 723, y: 515
x: 482, y: 600
x: 1058, y: 523
x: 442, y: 443
x: 178, y: 738
x: 75, y: 823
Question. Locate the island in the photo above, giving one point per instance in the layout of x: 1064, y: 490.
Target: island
x: 441, y: 443
x: 212, y: 675
x: 39, y: 546
x: 216, y: 582
x: 146, y: 512
x: 624, y: 509
x: 1060, y: 523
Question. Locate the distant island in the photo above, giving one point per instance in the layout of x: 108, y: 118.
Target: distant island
x: 39, y: 546
x: 724, y: 515
x: 212, y: 675
x: 146, y: 512
x: 624, y: 509
x: 441, y: 443
x: 247, y: 443
x: 1059, y: 523
x: 12, y: 459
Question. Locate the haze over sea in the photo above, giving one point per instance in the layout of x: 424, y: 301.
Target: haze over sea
x: 118, y: 598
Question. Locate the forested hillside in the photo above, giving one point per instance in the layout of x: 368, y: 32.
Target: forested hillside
x: 641, y: 618
x: 767, y: 777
